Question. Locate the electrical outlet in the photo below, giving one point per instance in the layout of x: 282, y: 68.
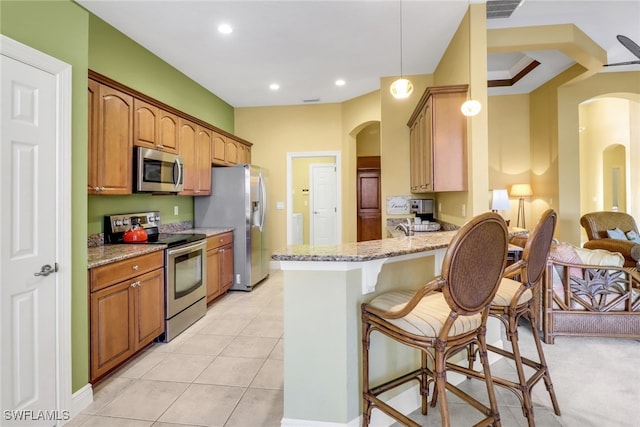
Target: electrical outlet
x: 464, y: 209
x: 439, y: 207
x: 175, y: 210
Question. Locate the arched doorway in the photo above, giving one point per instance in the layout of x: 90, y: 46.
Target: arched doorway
x: 368, y: 183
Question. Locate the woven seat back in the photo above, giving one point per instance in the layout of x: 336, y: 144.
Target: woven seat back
x: 536, y: 251
x: 474, y: 263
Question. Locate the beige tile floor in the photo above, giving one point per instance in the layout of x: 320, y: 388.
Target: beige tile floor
x: 227, y: 370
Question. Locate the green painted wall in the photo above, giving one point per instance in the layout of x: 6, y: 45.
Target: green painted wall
x: 64, y: 30
x: 60, y: 29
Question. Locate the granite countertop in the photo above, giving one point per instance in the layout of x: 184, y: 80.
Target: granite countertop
x: 374, y: 249
x: 365, y: 251
x: 105, y: 254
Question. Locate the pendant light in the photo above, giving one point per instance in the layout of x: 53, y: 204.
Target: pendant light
x: 470, y: 107
x: 401, y: 88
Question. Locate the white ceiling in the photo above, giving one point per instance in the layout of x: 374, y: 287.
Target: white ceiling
x: 305, y: 46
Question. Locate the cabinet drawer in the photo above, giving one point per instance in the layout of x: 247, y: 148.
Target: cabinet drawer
x: 109, y: 274
x: 219, y: 240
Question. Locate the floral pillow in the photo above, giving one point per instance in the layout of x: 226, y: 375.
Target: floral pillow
x: 616, y: 233
x: 633, y: 236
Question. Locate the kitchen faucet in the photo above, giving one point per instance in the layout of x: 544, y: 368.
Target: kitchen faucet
x: 406, y: 228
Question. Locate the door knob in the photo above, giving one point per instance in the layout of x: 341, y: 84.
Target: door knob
x: 46, y: 270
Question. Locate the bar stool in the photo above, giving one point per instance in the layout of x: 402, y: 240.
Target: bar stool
x: 518, y: 299
x: 448, y: 313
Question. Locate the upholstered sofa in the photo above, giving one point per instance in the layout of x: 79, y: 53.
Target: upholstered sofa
x: 611, y: 231
x: 589, y: 292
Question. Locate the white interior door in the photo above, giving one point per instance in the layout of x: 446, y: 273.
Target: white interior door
x: 323, y: 205
x: 31, y: 295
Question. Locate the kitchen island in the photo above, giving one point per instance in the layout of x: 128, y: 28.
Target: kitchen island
x: 323, y: 289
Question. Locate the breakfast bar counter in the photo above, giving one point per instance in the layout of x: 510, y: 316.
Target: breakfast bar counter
x: 324, y: 287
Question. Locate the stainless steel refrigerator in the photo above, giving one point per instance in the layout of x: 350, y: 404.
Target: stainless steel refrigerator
x: 239, y: 199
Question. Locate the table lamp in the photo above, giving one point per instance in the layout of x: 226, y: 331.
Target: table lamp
x: 521, y: 191
x: 499, y: 200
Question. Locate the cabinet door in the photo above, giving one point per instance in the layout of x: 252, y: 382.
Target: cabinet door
x: 426, y: 149
x: 188, y: 153
x: 203, y: 161
x: 93, y: 149
x: 213, y: 274
x: 148, y: 307
x: 449, y: 143
x: 168, y: 135
x: 145, y: 124
x: 112, y: 332
x: 111, y: 149
x: 226, y: 266
x: 231, y: 152
x: 218, y: 145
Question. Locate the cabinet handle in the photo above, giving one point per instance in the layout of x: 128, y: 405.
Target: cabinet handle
x: 134, y: 284
x: 96, y: 189
x: 101, y: 188
x: 135, y: 267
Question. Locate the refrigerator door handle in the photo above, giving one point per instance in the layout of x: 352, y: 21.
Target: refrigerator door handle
x: 263, y: 200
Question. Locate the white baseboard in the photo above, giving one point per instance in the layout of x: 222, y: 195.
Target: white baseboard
x: 81, y: 399
x: 274, y: 265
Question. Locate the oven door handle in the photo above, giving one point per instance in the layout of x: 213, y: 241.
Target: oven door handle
x: 181, y: 250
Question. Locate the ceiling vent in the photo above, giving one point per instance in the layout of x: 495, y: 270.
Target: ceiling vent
x: 497, y: 9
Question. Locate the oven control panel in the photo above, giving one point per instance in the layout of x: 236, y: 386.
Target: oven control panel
x: 123, y: 222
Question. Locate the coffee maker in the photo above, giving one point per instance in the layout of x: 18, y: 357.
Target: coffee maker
x: 423, y: 209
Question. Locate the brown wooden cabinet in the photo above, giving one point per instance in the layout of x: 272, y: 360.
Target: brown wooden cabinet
x: 226, y: 151
x: 438, y: 138
x: 126, y: 310
x: 154, y: 127
x: 110, y: 140
x: 195, y: 149
x: 219, y: 265
x: 121, y: 118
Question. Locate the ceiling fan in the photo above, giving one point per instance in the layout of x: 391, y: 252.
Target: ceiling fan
x: 633, y: 48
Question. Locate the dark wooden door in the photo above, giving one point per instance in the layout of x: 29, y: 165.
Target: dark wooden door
x: 369, y: 200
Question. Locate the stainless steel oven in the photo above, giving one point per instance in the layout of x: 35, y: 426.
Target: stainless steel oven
x: 185, y: 267
x: 186, y: 290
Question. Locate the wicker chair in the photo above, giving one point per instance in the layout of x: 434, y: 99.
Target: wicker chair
x: 590, y: 293
x: 446, y: 314
x: 596, y: 225
x: 517, y: 299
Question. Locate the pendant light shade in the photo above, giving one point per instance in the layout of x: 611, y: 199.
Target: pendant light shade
x: 471, y: 107
x: 402, y: 87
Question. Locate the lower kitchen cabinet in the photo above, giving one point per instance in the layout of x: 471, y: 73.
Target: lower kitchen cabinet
x: 219, y: 265
x: 127, y: 310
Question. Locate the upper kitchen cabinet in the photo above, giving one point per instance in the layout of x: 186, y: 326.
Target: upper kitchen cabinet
x: 154, y: 127
x: 110, y: 140
x: 227, y: 151
x: 195, y: 149
x: 438, y: 138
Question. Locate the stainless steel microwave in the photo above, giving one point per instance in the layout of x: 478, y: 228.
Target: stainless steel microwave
x: 157, y: 171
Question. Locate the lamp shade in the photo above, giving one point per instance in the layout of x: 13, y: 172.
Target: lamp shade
x: 499, y: 200
x: 521, y: 190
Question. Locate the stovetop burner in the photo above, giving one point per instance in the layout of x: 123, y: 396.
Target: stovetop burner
x: 116, y: 225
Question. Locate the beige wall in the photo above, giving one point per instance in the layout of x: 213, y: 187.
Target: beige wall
x: 509, y: 147
x: 368, y: 141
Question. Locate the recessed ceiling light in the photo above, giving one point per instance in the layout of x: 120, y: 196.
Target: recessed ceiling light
x: 340, y: 82
x: 274, y: 86
x: 225, y: 29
